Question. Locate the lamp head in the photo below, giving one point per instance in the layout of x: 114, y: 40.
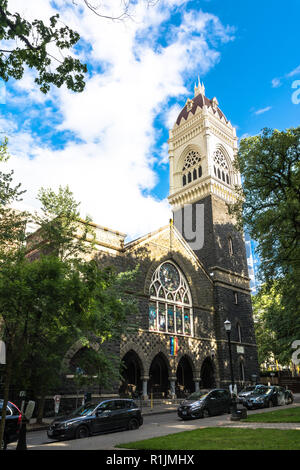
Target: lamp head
x: 227, y: 325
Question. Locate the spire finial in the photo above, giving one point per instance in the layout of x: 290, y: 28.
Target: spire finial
x: 199, y: 88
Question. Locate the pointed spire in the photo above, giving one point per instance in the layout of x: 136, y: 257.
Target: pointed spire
x: 199, y: 88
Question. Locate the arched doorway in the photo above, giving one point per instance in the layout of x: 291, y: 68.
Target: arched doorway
x: 185, y: 384
x: 159, y: 377
x: 131, y: 375
x: 207, y: 374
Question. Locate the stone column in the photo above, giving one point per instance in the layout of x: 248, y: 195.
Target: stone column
x: 172, y: 381
x: 197, y: 380
x: 145, y: 385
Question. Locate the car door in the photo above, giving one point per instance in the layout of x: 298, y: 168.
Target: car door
x: 103, y: 420
x: 213, y: 403
x: 224, y: 401
x: 120, y: 414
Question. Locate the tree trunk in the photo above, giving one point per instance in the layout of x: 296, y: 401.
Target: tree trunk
x: 5, y: 394
x: 40, y: 413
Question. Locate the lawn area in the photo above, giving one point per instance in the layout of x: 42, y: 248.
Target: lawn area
x: 288, y: 415
x: 222, y: 438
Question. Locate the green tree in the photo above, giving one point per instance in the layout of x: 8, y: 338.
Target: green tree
x: 12, y: 222
x: 61, y: 230
x: 277, y: 317
x: 269, y: 200
x: 268, y: 206
x: 32, y: 50
x: 35, y: 41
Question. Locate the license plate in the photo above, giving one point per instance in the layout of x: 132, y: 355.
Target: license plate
x: 184, y: 412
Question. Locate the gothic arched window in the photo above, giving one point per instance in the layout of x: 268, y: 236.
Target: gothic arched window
x: 191, y: 169
x: 221, y: 168
x: 170, y: 307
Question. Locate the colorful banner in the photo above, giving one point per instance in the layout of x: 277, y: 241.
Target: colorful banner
x: 173, y: 345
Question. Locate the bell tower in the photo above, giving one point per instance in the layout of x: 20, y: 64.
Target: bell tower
x: 202, y: 147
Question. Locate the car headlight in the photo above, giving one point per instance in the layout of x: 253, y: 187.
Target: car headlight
x: 65, y: 425
x: 196, y: 405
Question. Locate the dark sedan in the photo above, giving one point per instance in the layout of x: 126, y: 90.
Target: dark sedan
x: 94, y: 418
x: 205, y: 403
x: 13, y: 421
x: 265, y: 397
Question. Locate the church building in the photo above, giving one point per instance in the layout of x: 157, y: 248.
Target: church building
x: 193, y: 272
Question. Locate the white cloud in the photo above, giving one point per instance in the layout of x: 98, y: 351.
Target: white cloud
x: 294, y: 72
x: 111, y: 170
x: 276, y: 83
x: 263, y: 110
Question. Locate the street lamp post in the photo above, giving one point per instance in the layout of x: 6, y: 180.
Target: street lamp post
x: 227, y: 325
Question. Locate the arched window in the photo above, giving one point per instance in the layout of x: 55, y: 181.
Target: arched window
x: 221, y: 168
x: 170, y: 307
x: 191, y: 167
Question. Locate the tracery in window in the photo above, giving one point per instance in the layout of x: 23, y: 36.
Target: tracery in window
x: 192, y: 169
x: 170, y: 307
x: 221, y: 169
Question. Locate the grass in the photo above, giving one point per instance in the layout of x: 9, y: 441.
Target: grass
x: 222, y: 439
x: 288, y: 415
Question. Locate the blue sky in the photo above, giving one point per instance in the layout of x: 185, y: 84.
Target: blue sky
x: 109, y: 142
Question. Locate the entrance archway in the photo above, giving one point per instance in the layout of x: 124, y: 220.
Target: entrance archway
x: 185, y: 384
x: 158, y: 377
x: 208, y: 374
x: 131, y: 374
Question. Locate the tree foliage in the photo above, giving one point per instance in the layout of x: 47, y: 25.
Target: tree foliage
x: 269, y: 207
x: 277, y: 325
x: 33, y: 43
x: 269, y: 202
x: 50, y: 301
x: 61, y: 230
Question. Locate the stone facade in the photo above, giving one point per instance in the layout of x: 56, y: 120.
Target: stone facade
x: 181, y: 345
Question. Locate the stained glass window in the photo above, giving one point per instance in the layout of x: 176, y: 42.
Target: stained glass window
x: 170, y: 307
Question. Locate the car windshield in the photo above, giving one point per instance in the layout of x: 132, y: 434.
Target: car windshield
x: 84, y: 410
x: 247, y: 389
x: 260, y: 391
x: 197, y: 395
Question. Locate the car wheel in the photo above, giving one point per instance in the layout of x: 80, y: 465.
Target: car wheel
x: 81, y: 432
x: 205, y: 413
x: 133, y: 424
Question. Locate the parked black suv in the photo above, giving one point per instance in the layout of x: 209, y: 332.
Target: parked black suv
x: 94, y: 418
x: 205, y: 403
x: 13, y: 422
